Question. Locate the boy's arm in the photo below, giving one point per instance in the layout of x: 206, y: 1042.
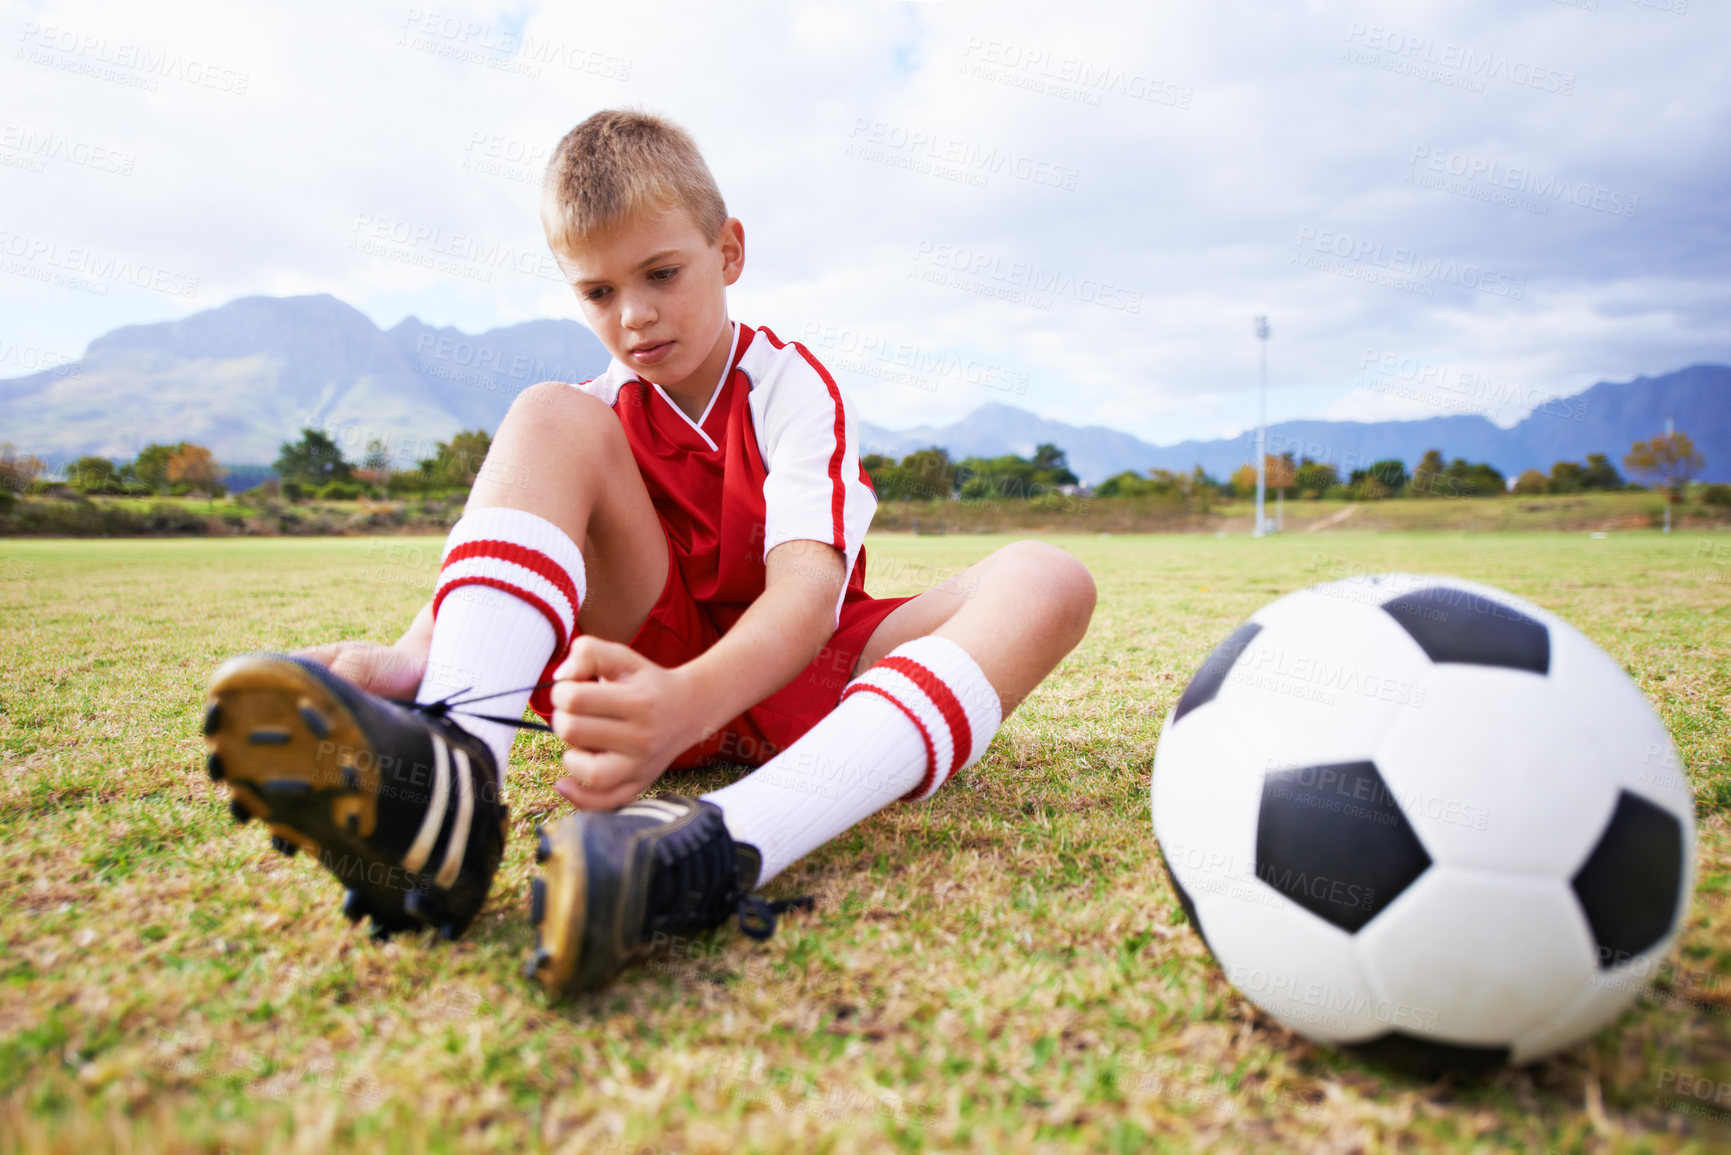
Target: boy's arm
x: 625, y: 719
x: 777, y: 637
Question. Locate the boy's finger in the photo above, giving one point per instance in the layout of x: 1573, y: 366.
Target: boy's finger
x: 585, y: 732
x: 596, y: 658
x: 593, y: 699
x: 597, y: 781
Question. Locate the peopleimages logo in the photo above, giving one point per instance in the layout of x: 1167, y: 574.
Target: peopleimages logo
x: 1531, y: 191
x: 1409, y: 262
x: 1445, y: 62
x: 1016, y: 281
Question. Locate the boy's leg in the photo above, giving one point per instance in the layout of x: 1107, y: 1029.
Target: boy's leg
x: 937, y: 678
x: 402, y: 804
x: 559, y: 534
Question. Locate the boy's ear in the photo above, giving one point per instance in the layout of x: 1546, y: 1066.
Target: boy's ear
x: 731, y: 242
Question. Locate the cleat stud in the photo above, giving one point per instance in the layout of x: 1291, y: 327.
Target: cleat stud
x: 351, y: 780
x: 532, y: 969
x: 543, y: 845
x: 380, y: 932
x: 353, y: 824
x: 213, y: 764
x: 354, y: 906
x: 239, y: 809
x: 418, y: 906
x: 537, y: 901
x: 447, y: 932
x: 284, y: 846
x: 315, y: 722
x: 269, y: 736
x: 212, y: 719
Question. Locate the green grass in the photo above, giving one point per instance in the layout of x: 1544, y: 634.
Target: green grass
x: 1000, y: 969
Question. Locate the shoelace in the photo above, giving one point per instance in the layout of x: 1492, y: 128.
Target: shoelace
x: 446, y: 707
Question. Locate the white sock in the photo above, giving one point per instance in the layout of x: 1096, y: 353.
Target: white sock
x: 900, y: 730
x: 504, y: 613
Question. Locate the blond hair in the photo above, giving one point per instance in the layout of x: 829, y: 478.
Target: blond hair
x: 617, y: 163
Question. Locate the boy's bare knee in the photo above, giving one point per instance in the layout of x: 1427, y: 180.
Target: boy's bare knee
x: 553, y: 412
x: 549, y: 397
x: 1062, y: 580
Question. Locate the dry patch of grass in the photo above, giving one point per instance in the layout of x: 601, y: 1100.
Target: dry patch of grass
x: 1003, y: 968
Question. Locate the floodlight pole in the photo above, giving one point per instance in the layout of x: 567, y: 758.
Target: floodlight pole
x: 1262, y: 431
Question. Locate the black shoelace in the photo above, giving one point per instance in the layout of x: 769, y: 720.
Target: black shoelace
x: 446, y: 707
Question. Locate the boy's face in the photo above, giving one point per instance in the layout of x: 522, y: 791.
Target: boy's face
x: 655, y: 291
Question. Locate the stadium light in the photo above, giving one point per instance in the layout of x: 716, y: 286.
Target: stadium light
x: 1262, y: 431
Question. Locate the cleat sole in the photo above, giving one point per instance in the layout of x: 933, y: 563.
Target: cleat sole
x: 564, y: 907
x: 213, y: 765
x: 318, y: 792
x: 283, y: 846
x: 264, y: 740
x: 537, y: 901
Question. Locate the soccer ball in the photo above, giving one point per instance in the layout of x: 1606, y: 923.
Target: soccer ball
x: 1425, y: 820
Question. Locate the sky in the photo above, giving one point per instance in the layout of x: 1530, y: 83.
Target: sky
x: 1472, y: 206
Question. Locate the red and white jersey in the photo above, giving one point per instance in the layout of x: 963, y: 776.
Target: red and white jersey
x: 774, y: 458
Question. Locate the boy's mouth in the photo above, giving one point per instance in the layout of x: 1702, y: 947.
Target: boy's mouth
x: 651, y: 353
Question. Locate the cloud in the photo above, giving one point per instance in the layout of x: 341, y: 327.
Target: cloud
x: 1089, y: 203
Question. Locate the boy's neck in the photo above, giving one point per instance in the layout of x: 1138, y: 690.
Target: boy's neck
x: 692, y: 395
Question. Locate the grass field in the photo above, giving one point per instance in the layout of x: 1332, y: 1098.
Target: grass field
x: 1003, y: 968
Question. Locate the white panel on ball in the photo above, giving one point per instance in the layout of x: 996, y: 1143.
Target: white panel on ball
x: 1293, y: 965
x: 1484, y: 956
x: 1494, y: 771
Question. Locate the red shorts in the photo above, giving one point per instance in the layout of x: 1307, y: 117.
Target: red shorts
x: 677, y: 630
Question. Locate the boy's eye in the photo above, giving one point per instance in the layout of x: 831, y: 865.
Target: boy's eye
x: 664, y: 274
x: 596, y: 294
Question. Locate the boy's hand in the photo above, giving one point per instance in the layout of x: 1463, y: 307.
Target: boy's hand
x: 625, y: 719
x: 388, y: 671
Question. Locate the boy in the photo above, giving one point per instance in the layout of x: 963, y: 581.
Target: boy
x: 682, y: 583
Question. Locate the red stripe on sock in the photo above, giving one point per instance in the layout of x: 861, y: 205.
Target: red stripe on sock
x: 560, y: 638
x: 949, y: 706
x: 931, y: 750
x: 532, y: 560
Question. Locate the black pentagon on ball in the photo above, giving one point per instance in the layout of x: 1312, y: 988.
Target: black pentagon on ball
x: 1209, y: 678
x: 1412, y: 1055
x: 1630, y: 884
x: 1333, y: 839
x: 1457, y: 625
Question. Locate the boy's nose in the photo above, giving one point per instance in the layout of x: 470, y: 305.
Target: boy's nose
x: 636, y: 314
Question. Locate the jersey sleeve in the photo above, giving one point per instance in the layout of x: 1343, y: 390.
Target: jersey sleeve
x: 808, y: 434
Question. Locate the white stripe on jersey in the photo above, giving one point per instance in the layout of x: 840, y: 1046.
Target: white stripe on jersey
x: 794, y: 412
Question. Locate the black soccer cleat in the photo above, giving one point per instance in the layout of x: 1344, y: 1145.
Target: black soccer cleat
x: 617, y: 884
x: 395, y: 799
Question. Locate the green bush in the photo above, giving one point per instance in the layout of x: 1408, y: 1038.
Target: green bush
x: 339, y: 491
x: 1716, y: 494
x: 292, y: 491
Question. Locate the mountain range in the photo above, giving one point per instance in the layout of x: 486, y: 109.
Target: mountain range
x: 247, y: 376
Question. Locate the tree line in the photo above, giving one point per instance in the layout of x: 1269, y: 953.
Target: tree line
x: 1667, y: 462
x: 172, y: 470
x: 314, y: 466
